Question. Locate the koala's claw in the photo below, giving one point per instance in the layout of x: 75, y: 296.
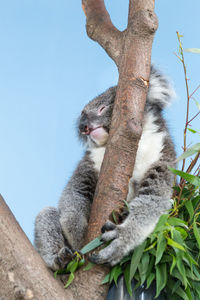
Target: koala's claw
x: 118, y: 247
x: 108, y: 226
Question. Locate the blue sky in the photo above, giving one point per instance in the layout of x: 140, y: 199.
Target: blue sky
x: 49, y: 69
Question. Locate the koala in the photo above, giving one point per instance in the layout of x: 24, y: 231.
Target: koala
x: 59, y: 231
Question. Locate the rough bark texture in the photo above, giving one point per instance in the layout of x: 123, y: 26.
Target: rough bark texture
x: 131, y: 51
x: 23, y: 273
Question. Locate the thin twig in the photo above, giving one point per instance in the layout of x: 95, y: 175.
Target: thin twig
x: 193, y: 118
x: 195, y: 91
x: 188, y: 96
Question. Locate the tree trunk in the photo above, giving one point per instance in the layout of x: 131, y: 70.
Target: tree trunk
x: 23, y: 272
x: 131, y: 51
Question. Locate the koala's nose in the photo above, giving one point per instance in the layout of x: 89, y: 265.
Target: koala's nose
x: 84, y: 126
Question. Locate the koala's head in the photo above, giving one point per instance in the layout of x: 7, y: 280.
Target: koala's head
x: 94, y: 122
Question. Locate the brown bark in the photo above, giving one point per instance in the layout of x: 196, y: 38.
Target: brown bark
x: 131, y: 51
x: 23, y: 274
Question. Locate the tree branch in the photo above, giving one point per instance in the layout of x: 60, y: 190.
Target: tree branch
x: 23, y: 274
x: 100, y: 28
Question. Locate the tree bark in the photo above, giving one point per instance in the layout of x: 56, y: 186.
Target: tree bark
x: 23, y: 273
x: 131, y: 51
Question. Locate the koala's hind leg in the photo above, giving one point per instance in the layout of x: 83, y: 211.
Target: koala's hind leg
x: 49, y: 240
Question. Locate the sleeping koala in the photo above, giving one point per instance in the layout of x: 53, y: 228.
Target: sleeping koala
x: 58, y: 231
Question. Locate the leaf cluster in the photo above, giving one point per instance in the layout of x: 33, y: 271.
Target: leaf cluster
x: 170, y: 256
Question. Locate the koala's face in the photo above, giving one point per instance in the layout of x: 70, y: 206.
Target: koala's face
x: 94, y: 122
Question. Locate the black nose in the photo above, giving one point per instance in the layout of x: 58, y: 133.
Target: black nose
x: 84, y: 124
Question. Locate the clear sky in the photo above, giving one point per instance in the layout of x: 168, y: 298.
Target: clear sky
x: 49, y: 69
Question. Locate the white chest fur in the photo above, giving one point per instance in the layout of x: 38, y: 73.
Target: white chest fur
x: 97, y: 155
x: 149, y: 151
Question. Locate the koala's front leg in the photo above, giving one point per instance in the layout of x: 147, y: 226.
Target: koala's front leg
x: 152, y: 200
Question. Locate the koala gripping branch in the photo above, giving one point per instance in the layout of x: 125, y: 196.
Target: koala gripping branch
x: 131, y: 51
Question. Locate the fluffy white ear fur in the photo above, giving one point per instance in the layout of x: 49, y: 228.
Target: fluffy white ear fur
x: 161, y: 91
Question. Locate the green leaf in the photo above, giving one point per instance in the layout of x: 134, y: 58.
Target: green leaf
x: 195, y: 180
x: 190, y: 151
x: 118, y: 272
x: 128, y: 280
x: 177, y: 275
x: 197, y: 104
x: 150, y: 279
x: 112, y: 272
x: 135, y: 260
x: 176, y: 286
x: 190, y: 209
x: 182, y: 294
x: 161, y: 278
x: 191, y: 275
x: 190, y: 258
x: 196, y: 233
x: 89, y: 266
x: 175, y: 244
x: 143, y: 267
x: 173, y: 263
x: 161, y: 222
x: 114, y: 217
x: 91, y: 245
x: 70, y: 264
x: 160, y: 247
x: 150, y: 247
x: 176, y: 222
x: 192, y: 50
x: 106, y: 279
x: 81, y: 262
x: 188, y: 292
x: 183, y: 232
x: 73, y: 267
x: 181, y: 269
x: 69, y: 281
x: 196, y: 287
x: 55, y: 274
x: 192, y: 130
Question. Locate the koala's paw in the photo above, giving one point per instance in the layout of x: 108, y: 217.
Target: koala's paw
x: 63, y: 257
x: 119, y: 236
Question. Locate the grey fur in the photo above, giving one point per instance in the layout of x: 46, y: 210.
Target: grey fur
x: 58, y: 231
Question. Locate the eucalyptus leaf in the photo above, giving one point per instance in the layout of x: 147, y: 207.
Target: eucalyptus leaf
x: 175, y: 244
x: 195, y: 180
x: 69, y: 281
x: 190, y: 209
x: 128, y: 280
x: 192, y: 50
x: 160, y: 247
x: 192, y: 130
x: 117, y: 273
x: 106, y: 279
x: 196, y: 233
x: 150, y: 279
x: 92, y: 245
x: 135, y: 260
x: 182, y: 294
x: 89, y: 266
x: 161, y: 278
x: 190, y: 151
x: 181, y: 269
